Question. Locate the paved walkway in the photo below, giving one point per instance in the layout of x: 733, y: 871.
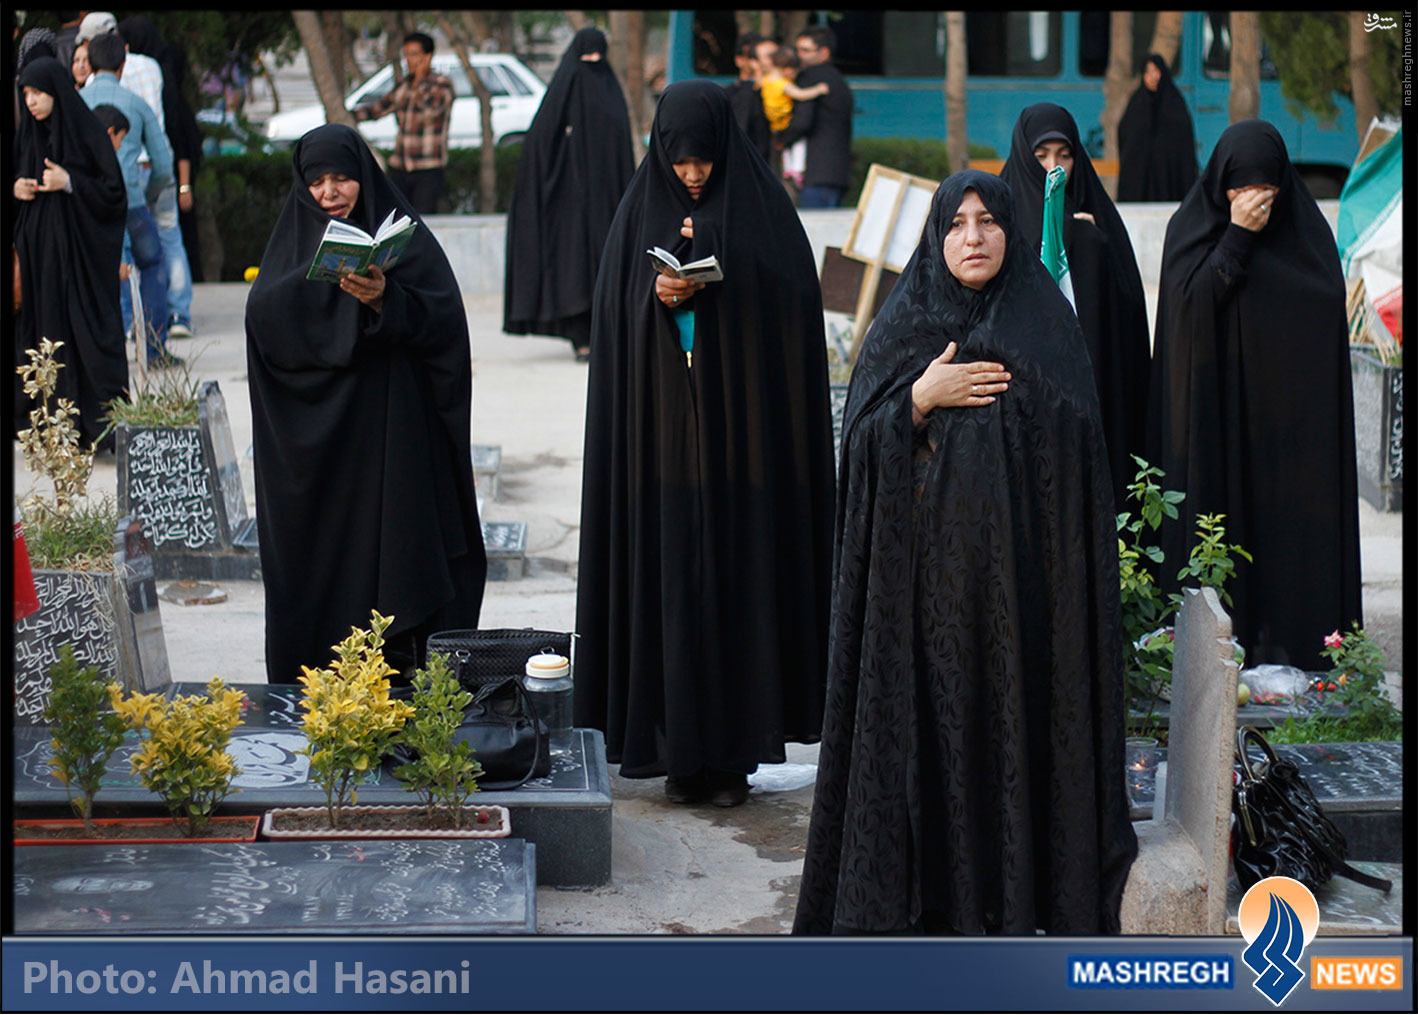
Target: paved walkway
x: 675, y: 869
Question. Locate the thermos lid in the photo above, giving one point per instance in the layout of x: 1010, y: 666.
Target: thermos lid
x: 547, y: 666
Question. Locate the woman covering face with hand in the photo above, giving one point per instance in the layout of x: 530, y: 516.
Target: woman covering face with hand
x: 1252, y: 405
x: 70, y: 210
x: 968, y: 780
x: 361, y: 416
x: 707, y: 497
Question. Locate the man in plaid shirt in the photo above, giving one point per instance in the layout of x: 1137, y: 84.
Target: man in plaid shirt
x: 423, y: 103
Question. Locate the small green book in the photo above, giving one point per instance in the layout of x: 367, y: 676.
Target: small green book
x: 347, y: 248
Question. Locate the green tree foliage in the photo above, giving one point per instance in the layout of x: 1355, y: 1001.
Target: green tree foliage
x: 1311, y: 55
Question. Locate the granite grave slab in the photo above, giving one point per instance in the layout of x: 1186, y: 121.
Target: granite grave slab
x: 487, y: 469
x: 506, y: 544
x: 385, y: 886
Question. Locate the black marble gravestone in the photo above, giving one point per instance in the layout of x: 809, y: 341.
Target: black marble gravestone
x: 185, y: 483
x: 77, y: 608
x: 506, y: 544
x: 140, y: 636
x: 390, y: 886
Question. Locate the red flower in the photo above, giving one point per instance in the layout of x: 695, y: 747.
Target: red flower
x: 1333, y: 639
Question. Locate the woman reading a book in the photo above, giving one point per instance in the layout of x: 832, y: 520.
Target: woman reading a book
x: 968, y: 777
x: 361, y: 416
x: 707, y: 493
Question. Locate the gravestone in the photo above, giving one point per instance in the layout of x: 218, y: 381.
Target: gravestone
x: 393, y: 886
x: 487, y: 470
x: 506, y: 544
x: 110, y: 618
x: 185, y: 483
x: 838, y: 393
x: 1378, y: 429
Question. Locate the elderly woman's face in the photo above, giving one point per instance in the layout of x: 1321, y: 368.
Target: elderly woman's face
x: 974, y: 243
x: 336, y: 193
x: 693, y: 173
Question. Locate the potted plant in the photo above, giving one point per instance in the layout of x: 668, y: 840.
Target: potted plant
x: 183, y: 755
x: 440, y: 772
x: 72, y: 541
x: 1355, y: 682
x: 352, y: 722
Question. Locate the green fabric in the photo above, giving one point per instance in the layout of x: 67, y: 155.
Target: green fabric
x: 1051, y: 247
x: 1373, y: 192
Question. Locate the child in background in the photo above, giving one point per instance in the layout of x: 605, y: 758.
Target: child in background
x: 113, y: 121
x: 779, y: 93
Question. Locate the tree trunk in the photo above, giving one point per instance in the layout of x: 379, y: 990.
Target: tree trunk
x: 332, y: 27
x: 1119, y: 81
x: 478, y: 29
x: 766, y: 24
x: 957, y: 150
x: 635, y: 82
x: 1167, y: 36
x: 1366, y: 107
x: 576, y: 19
x: 322, y: 67
x: 1245, y: 65
x: 354, y: 74
x: 790, y: 23
x: 265, y: 72
x: 744, y: 22
x: 394, y: 43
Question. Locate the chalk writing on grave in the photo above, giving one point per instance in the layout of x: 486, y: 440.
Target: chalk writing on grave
x: 1395, y: 435
x: 75, y: 608
x: 169, y: 487
x: 506, y: 536
x: 269, y: 758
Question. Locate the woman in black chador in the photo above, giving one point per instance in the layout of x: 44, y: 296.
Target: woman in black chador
x: 361, y: 413
x: 970, y: 775
x: 70, y: 211
x: 1107, y: 287
x: 1156, y: 143
x: 575, y: 162
x: 706, y: 503
x: 1252, y: 412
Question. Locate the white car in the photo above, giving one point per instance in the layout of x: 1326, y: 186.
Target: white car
x: 516, y: 94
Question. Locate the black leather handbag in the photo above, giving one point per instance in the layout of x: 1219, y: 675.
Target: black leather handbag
x: 1280, y: 828
x: 501, y: 726
x: 481, y: 656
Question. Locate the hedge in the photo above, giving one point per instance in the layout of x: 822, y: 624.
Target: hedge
x: 243, y: 194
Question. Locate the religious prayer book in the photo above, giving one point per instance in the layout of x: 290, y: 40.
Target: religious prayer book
x: 706, y: 269
x: 347, y: 248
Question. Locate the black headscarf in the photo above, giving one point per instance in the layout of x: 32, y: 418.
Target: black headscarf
x: 1156, y: 143
x: 1252, y: 407
x: 968, y: 779
x: 707, y: 496
x: 69, y: 246
x: 576, y: 160
x: 361, y: 422
x: 1108, y: 296
x: 37, y: 42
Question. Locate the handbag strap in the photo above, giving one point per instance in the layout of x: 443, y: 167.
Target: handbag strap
x: 524, y: 702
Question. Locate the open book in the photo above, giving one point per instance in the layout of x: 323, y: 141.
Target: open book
x: 347, y: 248
x: 706, y: 269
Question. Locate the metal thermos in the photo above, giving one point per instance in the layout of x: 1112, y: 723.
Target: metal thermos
x: 548, y: 681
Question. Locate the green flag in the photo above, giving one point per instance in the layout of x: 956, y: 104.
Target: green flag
x: 1051, y: 247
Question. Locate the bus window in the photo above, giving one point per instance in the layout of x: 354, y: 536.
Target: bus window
x: 1093, y: 43
x: 913, y: 44
x: 1216, y: 44
x: 714, y: 35
x: 1013, y: 43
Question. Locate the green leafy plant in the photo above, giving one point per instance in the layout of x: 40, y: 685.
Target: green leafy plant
x: 1210, y: 563
x: 1147, y: 652
x: 84, y: 732
x: 442, y: 774
x: 161, y: 398
x: 350, y: 721
x: 183, y: 757
x: 1357, y: 680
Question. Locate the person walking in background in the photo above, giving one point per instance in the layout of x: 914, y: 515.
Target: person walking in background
x: 825, y: 122
x: 1156, y: 142
x: 70, y: 209
x: 706, y: 508
x: 108, y: 57
x: 576, y: 160
x: 1252, y: 408
x: 180, y: 125
x: 744, y: 95
x: 1107, y: 286
x: 422, y: 104
x: 361, y: 406
x: 969, y: 776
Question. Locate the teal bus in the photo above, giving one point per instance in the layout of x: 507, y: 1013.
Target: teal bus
x: 895, y: 60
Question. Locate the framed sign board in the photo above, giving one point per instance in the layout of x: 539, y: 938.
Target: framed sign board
x: 890, y: 215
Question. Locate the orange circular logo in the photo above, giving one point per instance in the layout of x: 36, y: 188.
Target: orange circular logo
x: 1256, y: 908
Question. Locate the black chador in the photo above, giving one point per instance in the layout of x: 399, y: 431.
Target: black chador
x: 1156, y: 142
x: 1252, y: 410
x: 707, y: 496
x: 1107, y: 287
x: 361, y: 422
x: 69, y: 245
x: 969, y: 779
x: 576, y: 159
